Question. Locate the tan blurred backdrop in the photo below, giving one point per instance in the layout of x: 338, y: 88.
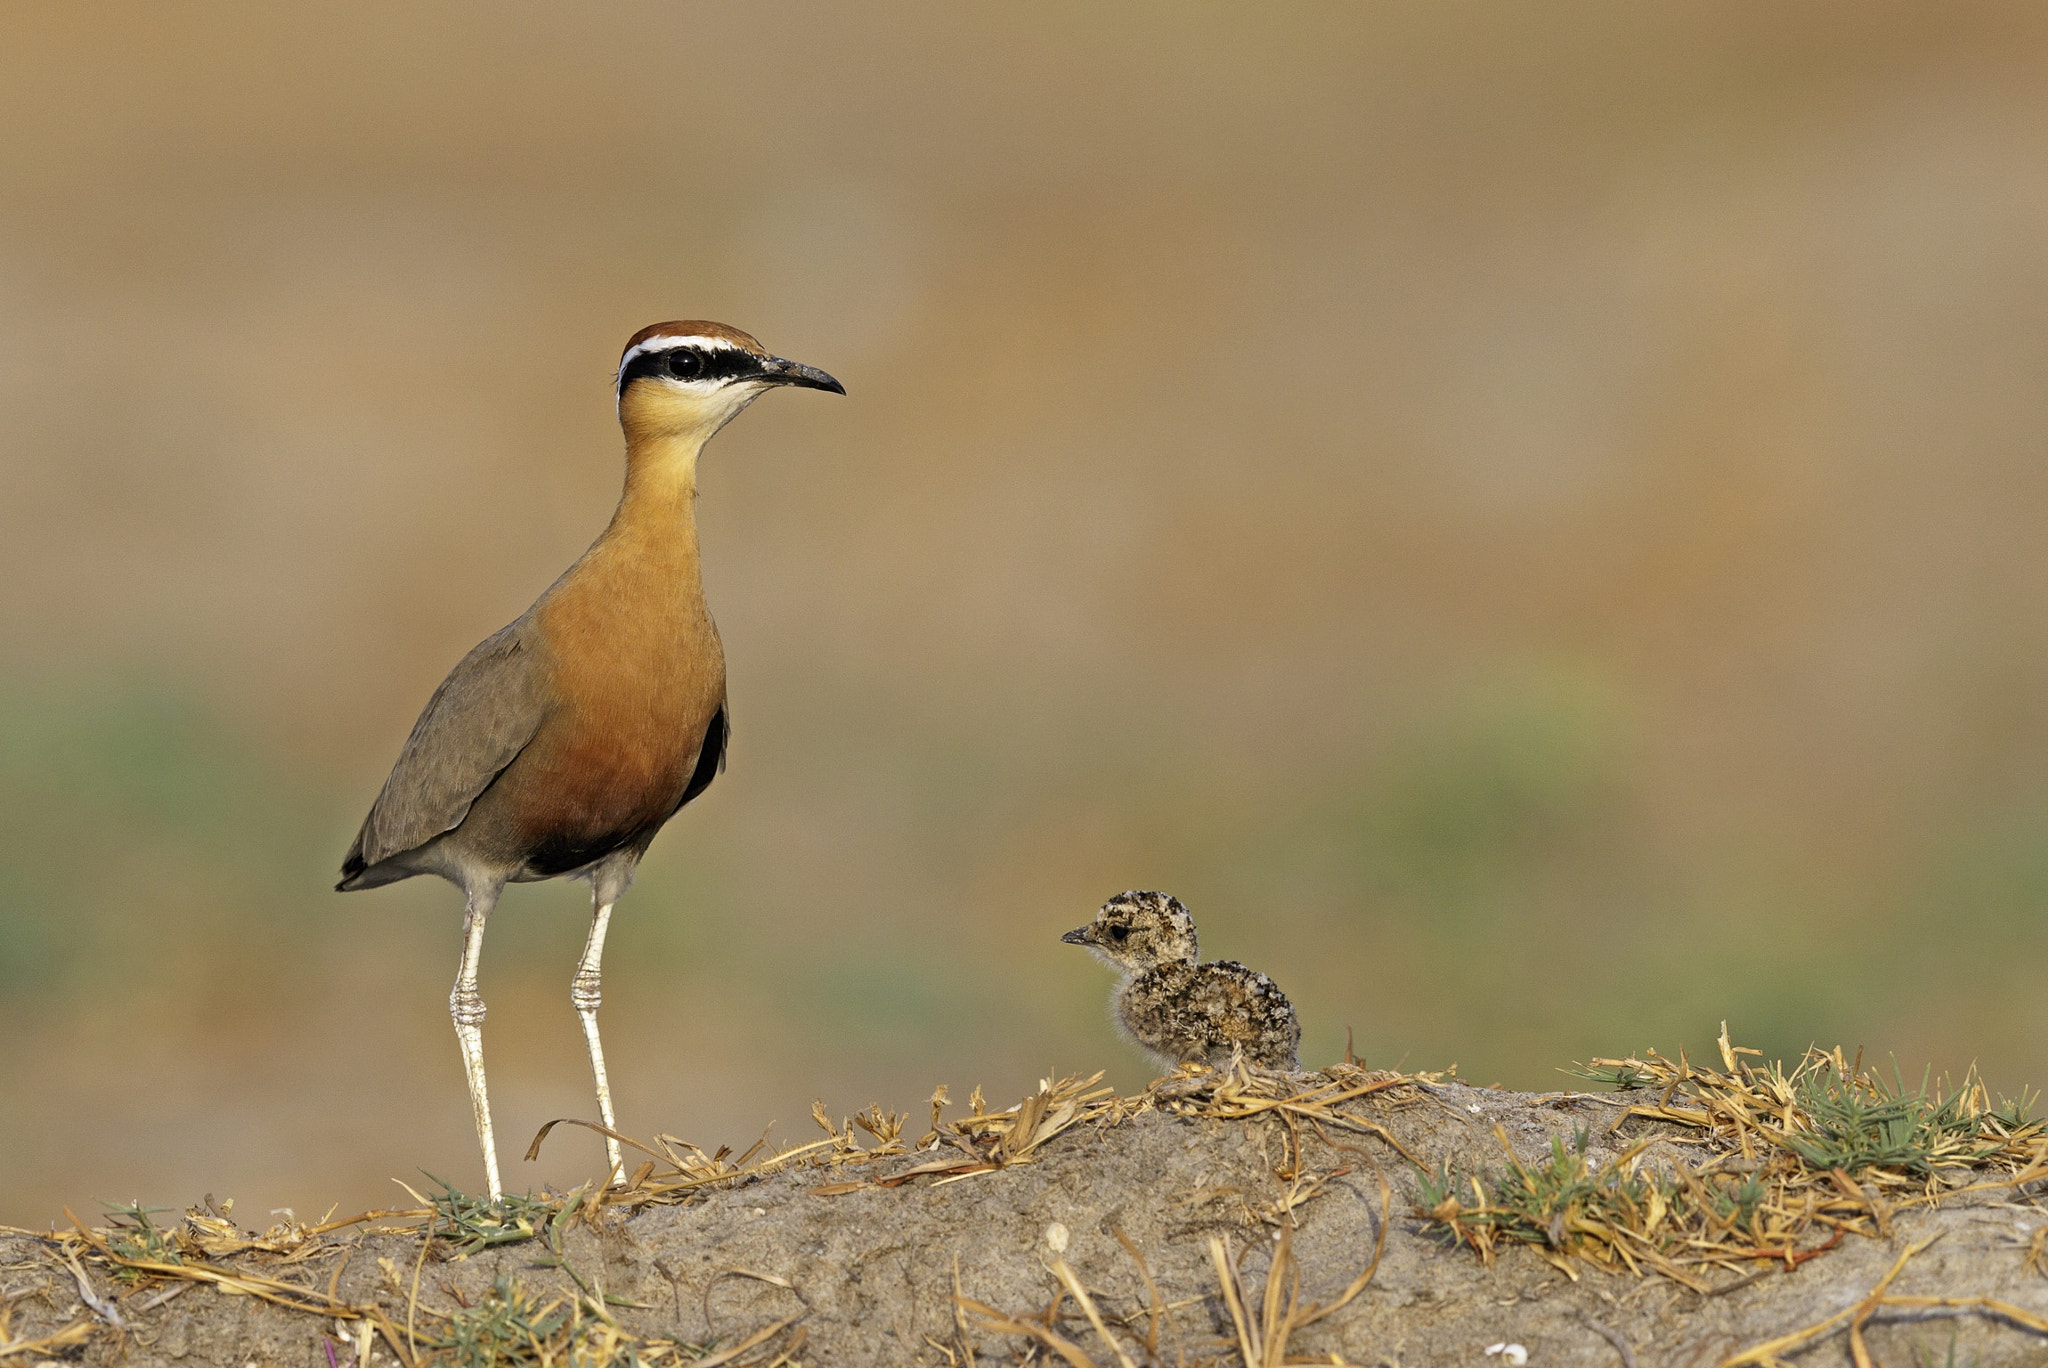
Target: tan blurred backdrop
x: 1527, y: 518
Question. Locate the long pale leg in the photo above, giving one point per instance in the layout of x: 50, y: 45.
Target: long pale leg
x: 466, y: 1005
x: 585, y: 995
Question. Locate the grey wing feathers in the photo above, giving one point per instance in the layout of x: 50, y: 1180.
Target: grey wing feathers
x: 485, y: 712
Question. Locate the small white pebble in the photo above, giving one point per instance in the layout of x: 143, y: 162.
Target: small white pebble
x: 760, y: 1211
x: 1474, y: 1108
x: 1056, y: 1237
x: 1512, y: 1354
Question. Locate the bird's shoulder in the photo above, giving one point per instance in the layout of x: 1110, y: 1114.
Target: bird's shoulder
x: 496, y: 696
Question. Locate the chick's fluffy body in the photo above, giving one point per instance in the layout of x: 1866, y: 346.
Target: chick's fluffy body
x: 1173, y: 1006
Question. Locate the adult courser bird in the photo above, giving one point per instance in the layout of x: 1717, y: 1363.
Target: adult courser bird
x: 561, y: 744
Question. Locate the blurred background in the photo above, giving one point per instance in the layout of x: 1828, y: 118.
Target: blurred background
x: 1529, y: 520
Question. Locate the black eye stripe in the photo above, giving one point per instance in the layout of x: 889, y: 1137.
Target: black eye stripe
x: 691, y: 363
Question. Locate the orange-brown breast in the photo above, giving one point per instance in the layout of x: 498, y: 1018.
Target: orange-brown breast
x: 639, y: 675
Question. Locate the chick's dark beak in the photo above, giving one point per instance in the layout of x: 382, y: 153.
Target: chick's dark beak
x: 780, y: 372
x: 1077, y: 936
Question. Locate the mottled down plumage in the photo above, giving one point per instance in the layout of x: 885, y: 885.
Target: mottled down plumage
x: 1204, y: 1011
x: 1175, y: 1007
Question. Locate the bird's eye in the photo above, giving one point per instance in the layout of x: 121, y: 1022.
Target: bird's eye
x: 685, y: 364
x: 1119, y: 932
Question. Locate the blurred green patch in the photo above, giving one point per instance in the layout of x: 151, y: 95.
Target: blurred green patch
x: 28, y: 944
x: 132, y: 756
x: 138, y: 832
x: 880, y: 999
x: 1991, y: 878
x: 1521, y: 768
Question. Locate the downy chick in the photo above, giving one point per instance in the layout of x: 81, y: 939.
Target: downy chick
x: 1175, y: 1007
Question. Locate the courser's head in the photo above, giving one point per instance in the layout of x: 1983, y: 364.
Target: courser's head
x: 690, y: 378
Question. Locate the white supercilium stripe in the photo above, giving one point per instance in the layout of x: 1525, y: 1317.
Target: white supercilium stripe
x: 662, y: 344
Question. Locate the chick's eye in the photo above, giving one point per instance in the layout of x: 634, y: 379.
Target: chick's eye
x: 685, y: 364
x: 1119, y: 932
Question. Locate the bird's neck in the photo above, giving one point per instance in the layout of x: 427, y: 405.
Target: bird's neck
x: 658, y: 511
x: 661, y: 475
x: 1171, y: 973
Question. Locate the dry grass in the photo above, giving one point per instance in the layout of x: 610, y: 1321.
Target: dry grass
x: 1795, y: 1160
x: 982, y: 1141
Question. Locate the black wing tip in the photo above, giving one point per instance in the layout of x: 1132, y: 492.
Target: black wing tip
x: 352, y: 870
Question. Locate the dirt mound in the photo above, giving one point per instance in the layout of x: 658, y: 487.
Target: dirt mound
x: 1232, y: 1218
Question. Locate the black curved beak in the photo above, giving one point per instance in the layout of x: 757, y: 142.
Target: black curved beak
x: 1077, y: 936
x: 780, y: 372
